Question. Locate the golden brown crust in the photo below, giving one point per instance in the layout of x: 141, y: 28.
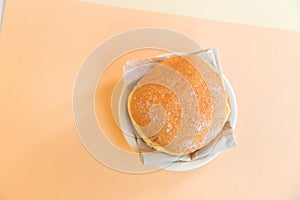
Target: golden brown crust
x: 181, y: 122
x: 140, y: 103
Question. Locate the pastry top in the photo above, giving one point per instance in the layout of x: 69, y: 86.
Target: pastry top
x: 179, y: 105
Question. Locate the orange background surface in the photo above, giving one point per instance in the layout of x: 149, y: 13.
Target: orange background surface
x: 42, y: 46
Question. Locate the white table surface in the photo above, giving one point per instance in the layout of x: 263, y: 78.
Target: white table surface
x: 1, y: 11
x: 277, y: 14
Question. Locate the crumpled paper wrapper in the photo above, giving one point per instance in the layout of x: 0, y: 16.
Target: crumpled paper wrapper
x: 133, y: 71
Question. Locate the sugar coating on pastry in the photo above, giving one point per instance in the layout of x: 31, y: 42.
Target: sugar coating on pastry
x: 179, y: 105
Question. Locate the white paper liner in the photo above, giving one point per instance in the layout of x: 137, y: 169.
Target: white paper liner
x: 133, y: 71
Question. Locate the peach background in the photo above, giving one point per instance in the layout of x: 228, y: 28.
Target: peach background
x: 42, y: 45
